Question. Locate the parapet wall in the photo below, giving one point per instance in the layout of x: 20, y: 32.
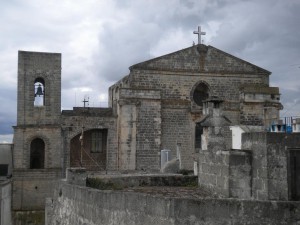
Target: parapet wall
x: 74, y: 204
x: 271, y: 169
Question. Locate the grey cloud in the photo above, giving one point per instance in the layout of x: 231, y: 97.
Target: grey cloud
x: 126, y: 32
x: 291, y: 102
x: 122, y: 47
x: 8, y: 114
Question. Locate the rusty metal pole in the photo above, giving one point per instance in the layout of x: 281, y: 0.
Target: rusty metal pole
x: 81, y: 147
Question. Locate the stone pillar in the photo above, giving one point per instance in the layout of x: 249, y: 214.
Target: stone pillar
x: 213, y: 156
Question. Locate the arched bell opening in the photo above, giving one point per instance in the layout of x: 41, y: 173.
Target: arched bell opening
x: 39, y: 92
x: 37, y: 154
x: 89, y: 149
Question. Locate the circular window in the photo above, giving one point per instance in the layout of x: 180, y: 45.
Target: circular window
x: 200, y: 93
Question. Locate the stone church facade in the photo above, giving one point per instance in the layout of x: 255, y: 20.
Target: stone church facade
x: 157, y: 106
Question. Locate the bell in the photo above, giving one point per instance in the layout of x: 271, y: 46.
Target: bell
x: 39, y: 91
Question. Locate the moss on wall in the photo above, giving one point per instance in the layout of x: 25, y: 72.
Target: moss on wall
x: 29, y: 217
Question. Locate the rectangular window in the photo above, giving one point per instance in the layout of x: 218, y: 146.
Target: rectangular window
x: 96, y: 141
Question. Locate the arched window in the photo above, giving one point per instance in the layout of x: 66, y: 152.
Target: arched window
x: 37, y: 154
x: 39, y: 92
x: 201, y: 93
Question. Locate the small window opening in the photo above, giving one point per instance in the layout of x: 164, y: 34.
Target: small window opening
x: 217, y: 105
x: 39, y: 92
x: 96, y: 141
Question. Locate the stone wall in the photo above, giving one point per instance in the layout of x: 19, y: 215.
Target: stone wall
x: 260, y: 105
x: 214, y: 171
x: 149, y: 135
x: 73, y: 204
x: 252, y: 114
x: 23, y: 136
x: 240, y: 171
x: 227, y: 173
x: 262, y: 170
x: 31, y: 188
x: 177, y: 130
x: 139, y: 123
x: 177, y: 104
x: 33, y: 217
x: 270, y: 163
x: 127, y: 132
x: 221, y: 169
x: 176, y: 85
x: 118, y: 182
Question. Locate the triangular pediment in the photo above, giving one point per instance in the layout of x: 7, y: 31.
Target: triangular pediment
x: 200, y: 59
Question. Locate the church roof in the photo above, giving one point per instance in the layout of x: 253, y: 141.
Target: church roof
x: 201, y: 58
x: 88, y: 111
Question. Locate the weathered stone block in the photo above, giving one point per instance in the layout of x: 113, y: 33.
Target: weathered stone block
x: 76, y: 176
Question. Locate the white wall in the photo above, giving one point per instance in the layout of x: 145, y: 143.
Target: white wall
x: 6, y: 156
x: 236, y: 137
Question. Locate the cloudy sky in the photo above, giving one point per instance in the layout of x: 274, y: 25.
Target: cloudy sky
x: 100, y: 39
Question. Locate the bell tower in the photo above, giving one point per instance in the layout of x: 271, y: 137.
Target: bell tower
x: 37, y: 135
x: 39, y: 88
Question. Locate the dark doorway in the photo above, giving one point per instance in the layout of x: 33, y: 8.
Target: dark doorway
x: 295, y: 174
x: 3, y: 170
x: 93, y: 152
x: 198, y: 134
x: 37, y: 154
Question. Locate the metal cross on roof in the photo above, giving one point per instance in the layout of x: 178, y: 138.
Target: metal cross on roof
x: 199, y: 32
x: 85, y: 101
